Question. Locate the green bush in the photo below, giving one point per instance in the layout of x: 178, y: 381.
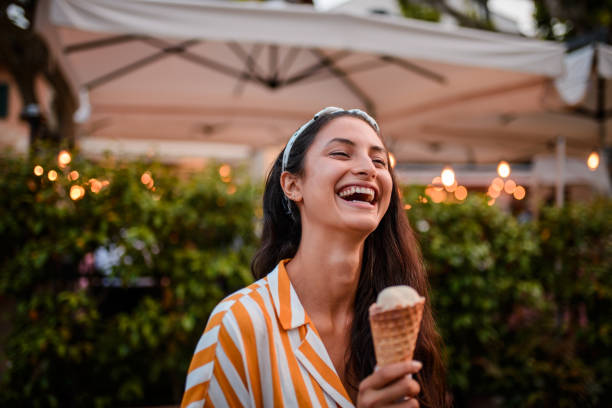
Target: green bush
x: 121, y: 334
x: 524, y: 308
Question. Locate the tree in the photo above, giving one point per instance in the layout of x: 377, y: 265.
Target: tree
x: 568, y: 19
x: 25, y: 55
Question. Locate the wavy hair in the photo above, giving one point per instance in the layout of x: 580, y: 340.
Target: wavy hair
x: 391, y: 256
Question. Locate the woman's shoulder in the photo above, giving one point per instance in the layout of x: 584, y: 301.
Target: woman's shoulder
x: 249, y: 304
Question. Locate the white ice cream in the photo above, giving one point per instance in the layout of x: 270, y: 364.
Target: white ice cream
x: 397, y: 296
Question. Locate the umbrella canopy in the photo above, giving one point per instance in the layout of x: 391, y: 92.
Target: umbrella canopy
x: 249, y: 74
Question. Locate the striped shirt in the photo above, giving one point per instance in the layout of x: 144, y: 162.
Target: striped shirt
x: 260, y: 349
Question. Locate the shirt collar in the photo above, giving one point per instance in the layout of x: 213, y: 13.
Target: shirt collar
x: 289, y: 309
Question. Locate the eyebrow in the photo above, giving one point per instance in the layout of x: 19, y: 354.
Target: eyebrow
x: 349, y: 142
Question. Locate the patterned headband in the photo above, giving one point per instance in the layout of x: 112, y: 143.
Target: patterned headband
x: 326, y: 111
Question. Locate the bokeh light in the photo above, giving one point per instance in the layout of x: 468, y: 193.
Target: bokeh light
x: 38, y: 170
x: 63, y: 158
x: 146, y: 177
x: 461, y: 193
x: 503, y: 169
x: 95, y: 185
x: 447, y: 176
x: 225, y: 170
x: 74, y: 175
x: 494, y: 193
x: 497, y: 184
x: 593, y: 161
x: 52, y: 175
x: 509, y: 186
x: 392, y: 160
x: 77, y: 192
x: 452, y: 187
x: 519, y: 192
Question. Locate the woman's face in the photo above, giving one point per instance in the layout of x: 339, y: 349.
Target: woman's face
x: 346, y: 182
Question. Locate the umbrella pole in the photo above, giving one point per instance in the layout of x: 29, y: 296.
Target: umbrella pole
x: 560, y: 187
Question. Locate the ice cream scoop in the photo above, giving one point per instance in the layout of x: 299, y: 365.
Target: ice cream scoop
x: 397, y: 296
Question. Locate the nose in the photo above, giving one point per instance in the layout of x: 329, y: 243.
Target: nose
x: 364, y: 167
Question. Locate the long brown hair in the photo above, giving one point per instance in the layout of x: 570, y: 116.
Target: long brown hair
x: 391, y: 256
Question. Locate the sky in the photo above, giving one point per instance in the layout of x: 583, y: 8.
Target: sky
x: 518, y: 10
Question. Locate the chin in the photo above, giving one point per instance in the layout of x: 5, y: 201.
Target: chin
x: 366, y: 227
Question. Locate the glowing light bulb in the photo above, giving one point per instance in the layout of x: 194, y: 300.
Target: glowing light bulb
x: 509, y: 186
x: 593, y: 160
x: 38, y: 170
x: 52, y: 175
x: 448, y: 176
x: 461, y: 193
x: 74, y: 175
x: 391, y: 160
x: 63, y: 158
x: 76, y: 192
x: 503, y: 169
x: 225, y: 170
x: 146, y: 178
x: 519, y: 192
x: 497, y: 184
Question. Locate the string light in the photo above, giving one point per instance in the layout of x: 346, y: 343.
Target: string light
x: 63, y: 158
x: 146, y: 177
x: 77, y: 192
x: 95, y: 185
x: 38, y: 170
x: 519, y: 192
x: 509, y: 186
x: 461, y: 193
x: 74, y: 175
x: 593, y: 160
x: 503, y: 169
x: 52, y: 175
x: 497, y: 184
x: 447, y: 176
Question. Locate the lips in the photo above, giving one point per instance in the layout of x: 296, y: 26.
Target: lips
x: 358, y: 193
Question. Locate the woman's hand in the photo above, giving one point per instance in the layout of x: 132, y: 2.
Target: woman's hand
x: 390, y: 386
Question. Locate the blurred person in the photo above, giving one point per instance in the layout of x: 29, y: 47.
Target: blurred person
x: 334, y: 235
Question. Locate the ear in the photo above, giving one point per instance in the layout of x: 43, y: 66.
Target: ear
x: 292, y: 186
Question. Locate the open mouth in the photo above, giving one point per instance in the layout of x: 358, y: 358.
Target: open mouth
x: 358, y: 194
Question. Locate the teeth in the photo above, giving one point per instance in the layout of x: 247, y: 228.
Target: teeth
x: 359, y: 190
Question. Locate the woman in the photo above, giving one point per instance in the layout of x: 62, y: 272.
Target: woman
x: 334, y: 235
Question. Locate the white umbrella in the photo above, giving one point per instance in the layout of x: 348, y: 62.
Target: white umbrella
x: 245, y: 74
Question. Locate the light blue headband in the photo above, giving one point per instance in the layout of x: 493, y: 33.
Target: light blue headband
x: 326, y: 111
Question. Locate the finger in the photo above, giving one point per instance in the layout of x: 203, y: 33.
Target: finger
x: 389, y: 373
x: 409, y: 403
x: 397, y: 391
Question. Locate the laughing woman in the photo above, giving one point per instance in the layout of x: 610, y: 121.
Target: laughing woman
x: 334, y: 235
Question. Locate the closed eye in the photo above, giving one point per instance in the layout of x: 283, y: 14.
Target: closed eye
x: 341, y: 154
x: 380, y: 162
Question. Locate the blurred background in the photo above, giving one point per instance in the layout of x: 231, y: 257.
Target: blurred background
x: 136, y: 135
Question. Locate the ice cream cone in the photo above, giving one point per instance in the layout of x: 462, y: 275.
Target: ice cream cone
x: 395, y: 332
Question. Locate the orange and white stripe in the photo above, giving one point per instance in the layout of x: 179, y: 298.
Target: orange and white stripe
x: 260, y: 349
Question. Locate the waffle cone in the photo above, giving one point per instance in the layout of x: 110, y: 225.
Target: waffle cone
x: 395, y: 332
